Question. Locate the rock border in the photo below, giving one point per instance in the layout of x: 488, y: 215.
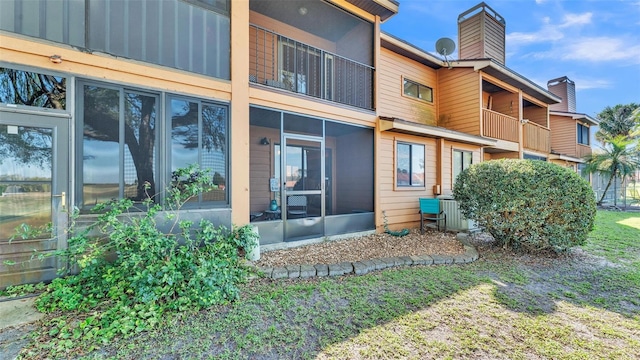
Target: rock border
x: 362, y: 267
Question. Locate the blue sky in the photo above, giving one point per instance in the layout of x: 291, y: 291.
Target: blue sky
x: 595, y: 43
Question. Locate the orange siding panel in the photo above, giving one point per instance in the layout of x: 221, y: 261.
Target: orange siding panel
x: 392, y: 102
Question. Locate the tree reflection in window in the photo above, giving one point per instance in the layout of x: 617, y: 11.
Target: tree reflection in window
x: 128, y: 133
x: 32, y: 89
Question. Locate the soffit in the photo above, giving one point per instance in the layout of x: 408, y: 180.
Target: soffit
x: 383, y: 8
x: 510, y: 77
x: 315, y: 16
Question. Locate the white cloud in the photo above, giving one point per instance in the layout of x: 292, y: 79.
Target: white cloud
x: 586, y: 84
x: 546, y: 34
x: 576, y: 19
x: 549, y: 32
x: 602, y: 49
x: 539, y: 2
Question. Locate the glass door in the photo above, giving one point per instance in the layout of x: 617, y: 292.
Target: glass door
x: 303, y: 199
x: 34, y: 170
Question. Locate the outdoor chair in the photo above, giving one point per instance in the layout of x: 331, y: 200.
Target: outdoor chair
x: 296, y: 206
x: 430, y: 210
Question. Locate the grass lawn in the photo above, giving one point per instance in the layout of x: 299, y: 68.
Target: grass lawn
x: 585, y: 305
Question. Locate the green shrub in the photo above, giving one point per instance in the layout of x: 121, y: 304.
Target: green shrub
x: 527, y: 205
x: 190, y: 267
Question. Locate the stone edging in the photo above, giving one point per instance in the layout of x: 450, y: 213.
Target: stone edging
x: 362, y: 267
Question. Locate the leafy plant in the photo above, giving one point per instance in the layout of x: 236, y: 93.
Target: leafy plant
x: 130, y: 272
x: 527, y: 205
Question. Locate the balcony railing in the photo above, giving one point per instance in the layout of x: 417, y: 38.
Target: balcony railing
x: 280, y: 62
x: 536, y: 137
x: 499, y: 126
x: 582, y: 150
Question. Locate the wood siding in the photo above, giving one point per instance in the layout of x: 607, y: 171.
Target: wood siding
x: 481, y: 36
x: 458, y: 97
x: 499, y: 126
x: 536, y: 137
x: 401, y: 205
x: 392, y: 102
x: 564, y: 138
x: 470, y: 38
x: 494, y: 39
x: 536, y: 115
x: 261, y: 166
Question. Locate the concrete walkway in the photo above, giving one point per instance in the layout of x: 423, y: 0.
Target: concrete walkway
x: 17, y: 318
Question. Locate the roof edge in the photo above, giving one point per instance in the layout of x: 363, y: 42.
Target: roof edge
x: 401, y: 125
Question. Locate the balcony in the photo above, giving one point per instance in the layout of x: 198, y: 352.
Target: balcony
x: 499, y: 126
x: 286, y: 64
x: 583, y: 150
x: 536, y: 137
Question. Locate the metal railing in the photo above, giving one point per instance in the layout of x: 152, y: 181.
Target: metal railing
x: 280, y: 62
x: 536, y: 137
x: 499, y: 126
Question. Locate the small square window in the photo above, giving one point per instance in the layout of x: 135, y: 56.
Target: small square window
x: 418, y: 91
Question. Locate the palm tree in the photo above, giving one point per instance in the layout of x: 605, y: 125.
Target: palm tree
x: 618, y: 120
x: 617, y: 159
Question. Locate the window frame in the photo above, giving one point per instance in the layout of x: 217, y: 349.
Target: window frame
x: 419, y: 86
x: 580, y: 134
x: 162, y: 136
x: 410, y: 185
x: 453, y: 163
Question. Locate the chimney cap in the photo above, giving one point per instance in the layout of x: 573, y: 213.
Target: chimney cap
x: 478, y: 9
x: 559, y: 80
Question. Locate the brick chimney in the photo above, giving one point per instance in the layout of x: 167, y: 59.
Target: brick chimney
x: 481, y: 34
x: 566, y: 89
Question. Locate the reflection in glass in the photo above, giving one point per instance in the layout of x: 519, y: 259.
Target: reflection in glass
x: 184, y: 133
x: 404, y: 166
x: 104, y: 135
x: 213, y: 150
x: 139, y: 155
x: 32, y: 89
x: 100, y: 164
x: 25, y: 177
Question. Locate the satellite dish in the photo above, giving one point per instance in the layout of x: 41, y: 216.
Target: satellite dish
x: 444, y: 47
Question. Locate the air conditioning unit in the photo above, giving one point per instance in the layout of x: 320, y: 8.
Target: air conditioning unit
x: 455, y: 220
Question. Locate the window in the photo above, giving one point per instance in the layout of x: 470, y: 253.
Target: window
x: 417, y: 91
x: 300, y: 67
x: 199, y: 136
x: 583, y: 134
x: 121, y: 143
x: 118, y: 144
x: 32, y: 89
x: 581, y: 169
x: 461, y: 161
x: 410, y: 165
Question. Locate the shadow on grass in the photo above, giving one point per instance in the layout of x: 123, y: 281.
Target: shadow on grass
x: 296, y: 319
x: 604, y: 273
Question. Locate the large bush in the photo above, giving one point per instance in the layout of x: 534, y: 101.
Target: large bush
x: 527, y: 205
x: 132, y: 272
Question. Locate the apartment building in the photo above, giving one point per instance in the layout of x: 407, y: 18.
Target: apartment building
x: 313, y: 123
